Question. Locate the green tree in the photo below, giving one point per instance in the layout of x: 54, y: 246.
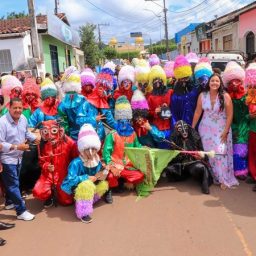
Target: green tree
x: 109, y: 53
x: 14, y: 15
x: 128, y: 55
x: 89, y: 45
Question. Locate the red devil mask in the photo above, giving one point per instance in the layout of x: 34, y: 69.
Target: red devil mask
x: 236, y: 89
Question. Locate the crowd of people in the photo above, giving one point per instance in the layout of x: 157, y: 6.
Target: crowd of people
x: 86, y: 120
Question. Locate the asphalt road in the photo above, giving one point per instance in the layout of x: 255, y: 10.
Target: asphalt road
x: 175, y: 220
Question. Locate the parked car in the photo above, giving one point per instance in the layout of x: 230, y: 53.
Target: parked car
x: 220, y: 59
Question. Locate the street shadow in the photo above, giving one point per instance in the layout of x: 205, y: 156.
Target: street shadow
x: 239, y: 201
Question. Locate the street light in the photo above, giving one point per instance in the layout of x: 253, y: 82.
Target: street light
x: 165, y: 24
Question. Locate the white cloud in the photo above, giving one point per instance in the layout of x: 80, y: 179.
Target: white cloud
x: 131, y: 15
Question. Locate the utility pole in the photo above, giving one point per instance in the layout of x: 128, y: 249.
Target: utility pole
x: 165, y: 25
x: 34, y: 34
x: 56, y: 7
x: 99, y: 25
x: 166, y: 30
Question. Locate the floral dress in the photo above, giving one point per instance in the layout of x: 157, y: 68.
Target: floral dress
x: 210, y: 129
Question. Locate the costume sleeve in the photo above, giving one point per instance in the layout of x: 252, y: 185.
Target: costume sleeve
x: 158, y: 136
x: 109, y: 118
x: 63, y: 117
x: 73, y: 178
x: 86, y: 115
x: 108, y: 148
x: 34, y: 119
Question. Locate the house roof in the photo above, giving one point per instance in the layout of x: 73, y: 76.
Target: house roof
x: 19, y: 25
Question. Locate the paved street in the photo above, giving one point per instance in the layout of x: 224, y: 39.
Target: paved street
x: 174, y: 220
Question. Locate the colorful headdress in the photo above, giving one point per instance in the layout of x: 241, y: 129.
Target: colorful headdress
x: 123, y: 109
x: 8, y: 83
x: 182, y: 67
x: 192, y: 57
x: 105, y: 80
x: 87, y: 77
x: 111, y: 65
x: 71, y: 80
x: 250, y: 75
x: 168, y: 69
x: 203, y: 69
x: 126, y: 72
x: 48, y: 89
x: 88, y: 138
x: 142, y: 72
x: 31, y: 86
x: 153, y: 60
x: 139, y: 101
x: 233, y: 71
x: 157, y: 72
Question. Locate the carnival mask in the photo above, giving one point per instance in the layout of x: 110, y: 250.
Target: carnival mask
x: 51, y: 131
x: 157, y: 83
x: 30, y: 97
x: 89, y: 154
x: 16, y: 93
x: 203, y: 80
x: 182, y: 129
x: 143, y: 86
x: 126, y: 85
x: 50, y: 101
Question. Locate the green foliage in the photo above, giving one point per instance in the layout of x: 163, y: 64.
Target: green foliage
x: 89, y: 45
x: 128, y: 55
x: 109, y: 53
x: 15, y: 15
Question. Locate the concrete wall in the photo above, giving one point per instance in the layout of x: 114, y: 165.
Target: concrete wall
x: 194, y: 43
x: 61, y: 48
x: 227, y: 30
x: 247, y: 23
x: 20, y: 52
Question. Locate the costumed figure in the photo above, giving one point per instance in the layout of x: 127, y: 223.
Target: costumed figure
x: 182, y: 166
x: 98, y: 106
x: 113, y: 151
x: 142, y: 71
x: 153, y: 60
x: 233, y: 79
x: 85, y: 178
x: 109, y: 68
x: 87, y: 82
x: 185, y: 94
x: 11, y: 88
x: 168, y: 69
x: 202, y: 72
x: 73, y: 104
x: 250, y: 82
x: 126, y: 79
x: 56, y: 151
x: 48, y: 109
x: 159, y: 102
x: 148, y: 135
x: 30, y: 97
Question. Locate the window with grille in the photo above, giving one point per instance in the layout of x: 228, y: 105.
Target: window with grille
x: 5, y: 61
x: 227, y: 42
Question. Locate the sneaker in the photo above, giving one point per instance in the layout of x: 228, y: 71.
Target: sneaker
x: 48, y: 203
x: 9, y: 207
x: 26, y: 216
x: 86, y: 219
x: 108, y: 197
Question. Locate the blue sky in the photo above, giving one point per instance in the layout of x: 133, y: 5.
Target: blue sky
x: 125, y: 16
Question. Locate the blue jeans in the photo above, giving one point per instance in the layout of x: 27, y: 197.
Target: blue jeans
x: 10, y: 178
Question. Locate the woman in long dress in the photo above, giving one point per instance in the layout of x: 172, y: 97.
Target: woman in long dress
x: 214, y: 129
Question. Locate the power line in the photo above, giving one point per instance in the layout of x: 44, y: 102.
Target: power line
x: 102, y: 10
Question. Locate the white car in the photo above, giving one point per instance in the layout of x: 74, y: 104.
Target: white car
x: 220, y: 59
